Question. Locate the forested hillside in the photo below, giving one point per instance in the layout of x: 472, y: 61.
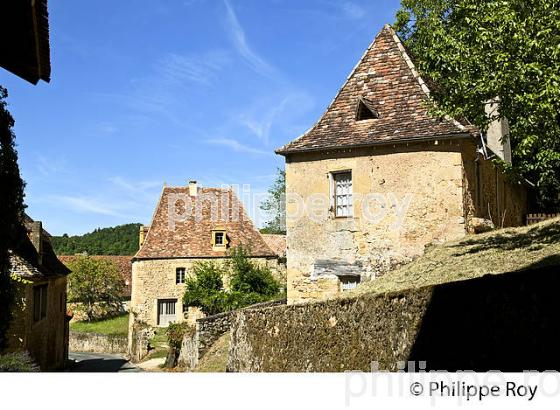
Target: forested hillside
x: 118, y: 240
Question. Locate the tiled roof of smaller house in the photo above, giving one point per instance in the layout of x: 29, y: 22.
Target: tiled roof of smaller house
x: 182, y: 225
x: 387, y: 81
x: 276, y: 242
x: 123, y: 263
x: 25, y: 258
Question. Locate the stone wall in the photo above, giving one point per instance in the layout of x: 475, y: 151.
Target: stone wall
x: 497, y: 322
x: 489, y: 193
x: 423, y: 193
x: 139, y: 336
x: 46, y: 339
x: 426, y: 177
x: 97, y: 343
x: 207, y: 331
x: 155, y: 279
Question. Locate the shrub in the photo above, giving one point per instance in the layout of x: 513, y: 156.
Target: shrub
x: 205, y: 288
x: 176, y: 332
x: 249, y: 278
x: 17, y: 362
x: 249, y: 284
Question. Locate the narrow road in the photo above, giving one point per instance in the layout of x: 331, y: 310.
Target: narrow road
x: 100, y: 362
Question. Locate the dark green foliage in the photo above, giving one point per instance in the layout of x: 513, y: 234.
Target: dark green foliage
x: 11, y: 210
x: 17, y: 362
x: 249, y: 284
x: 249, y: 278
x: 119, y: 240
x: 205, y: 288
x: 96, y: 286
x: 477, y: 50
x: 275, y: 205
x: 175, y: 333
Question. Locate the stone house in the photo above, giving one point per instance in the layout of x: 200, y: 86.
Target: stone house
x: 40, y: 323
x: 190, y: 224
x: 378, y: 178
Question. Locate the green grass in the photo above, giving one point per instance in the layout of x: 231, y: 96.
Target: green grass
x: 496, y: 252
x: 215, y: 359
x: 159, y: 344
x: 114, y: 326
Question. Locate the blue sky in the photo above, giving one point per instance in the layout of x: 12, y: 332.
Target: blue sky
x: 149, y: 92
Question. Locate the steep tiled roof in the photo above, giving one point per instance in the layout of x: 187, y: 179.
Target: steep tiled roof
x: 123, y: 263
x: 25, y: 259
x: 387, y: 79
x: 276, y: 242
x: 189, y: 233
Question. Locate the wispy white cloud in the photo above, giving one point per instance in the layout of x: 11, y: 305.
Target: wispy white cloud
x: 50, y: 166
x: 90, y: 205
x: 143, y: 189
x: 266, y: 113
x: 238, y: 146
x: 251, y: 57
x: 178, y: 69
x: 351, y: 10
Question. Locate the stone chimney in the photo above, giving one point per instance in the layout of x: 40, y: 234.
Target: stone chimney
x: 497, y: 129
x: 143, y: 233
x: 193, y: 188
x: 36, y: 236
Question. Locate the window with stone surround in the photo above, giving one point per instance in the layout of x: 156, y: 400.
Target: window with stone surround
x: 342, y: 194
x: 180, y: 276
x: 219, y: 238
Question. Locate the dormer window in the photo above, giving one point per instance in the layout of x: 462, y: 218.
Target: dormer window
x: 219, y: 239
x: 365, y: 110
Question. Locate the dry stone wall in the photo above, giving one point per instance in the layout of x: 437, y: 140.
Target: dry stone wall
x: 502, y: 322
x: 207, y: 331
x: 97, y: 343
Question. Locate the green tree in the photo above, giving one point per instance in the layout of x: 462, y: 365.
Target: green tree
x: 275, y: 205
x: 249, y: 283
x: 96, y: 286
x: 249, y: 278
x: 118, y: 240
x: 477, y: 50
x: 205, y: 288
x: 11, y: 210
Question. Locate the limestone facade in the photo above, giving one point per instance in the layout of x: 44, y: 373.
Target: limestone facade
x: 154, y: 280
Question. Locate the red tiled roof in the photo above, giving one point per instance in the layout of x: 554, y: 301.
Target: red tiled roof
x: 276, y: 242
x: 388, y: 80
x: 189, y: 234
x: 123, y: 263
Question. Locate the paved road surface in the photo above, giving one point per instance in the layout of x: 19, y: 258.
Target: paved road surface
x: 100, y: 362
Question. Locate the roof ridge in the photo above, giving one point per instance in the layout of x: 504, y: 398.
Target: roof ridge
x: 339, y: 90
x: 417, y: 75
x: 386, y: 73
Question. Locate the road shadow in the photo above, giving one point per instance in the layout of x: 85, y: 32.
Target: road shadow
x: 101, y: 365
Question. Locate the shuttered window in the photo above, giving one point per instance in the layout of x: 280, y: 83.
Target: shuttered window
x: 39, y: 302
x: 342, y: 182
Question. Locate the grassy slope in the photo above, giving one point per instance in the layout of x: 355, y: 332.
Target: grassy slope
x: 114, y: 326
x: 215, y: 359
x: 496, y: 252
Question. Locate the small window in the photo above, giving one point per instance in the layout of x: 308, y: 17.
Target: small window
x: 180, y: 276
x: 219, y: 238
x: 342, y: 183
x: 349, y: 282
x: 39, y: 302
x: 365, y: 110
